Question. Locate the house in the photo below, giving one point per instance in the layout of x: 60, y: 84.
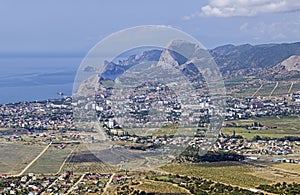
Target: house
x: 61, y: 146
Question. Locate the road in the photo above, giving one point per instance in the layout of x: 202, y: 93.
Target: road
x: 52, y: 184
x: 63, y: 164
x: 254, y: 94
x: 291, y: 87
x: 274, y: 89
x: 33, y: 161
x: 108, y: 183
x: 72, y: 188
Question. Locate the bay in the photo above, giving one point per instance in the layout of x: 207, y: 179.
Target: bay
x: 36, y: 78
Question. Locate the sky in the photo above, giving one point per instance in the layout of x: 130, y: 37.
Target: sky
x: 73, y: 27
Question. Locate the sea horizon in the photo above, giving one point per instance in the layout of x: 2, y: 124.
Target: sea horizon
x: 40, y: 77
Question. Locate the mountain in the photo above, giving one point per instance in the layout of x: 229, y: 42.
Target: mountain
x: 251, y: 60
x: 113, y: 70
x: 154, y: 64
x: 287, y: 69
x: 164, y: 58
x: 266, y: 61
x: 233, y: 61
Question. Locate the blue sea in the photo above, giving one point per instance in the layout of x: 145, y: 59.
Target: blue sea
x: 36, y: 78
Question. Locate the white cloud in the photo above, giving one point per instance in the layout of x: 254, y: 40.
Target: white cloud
x: 281, y: 30
x: 230, y: 8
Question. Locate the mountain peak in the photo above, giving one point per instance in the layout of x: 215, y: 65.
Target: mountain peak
x: 291, y: 64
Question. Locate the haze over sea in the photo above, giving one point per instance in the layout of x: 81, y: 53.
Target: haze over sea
x: 36, y: 78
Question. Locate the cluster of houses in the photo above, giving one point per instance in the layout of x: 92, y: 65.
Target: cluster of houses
x: 66, y: 183
x: 57, y: 114
x: 27, y: 184
x: 151, y: 104
x: 156, y: 108
x: 295, y: 96
x: 258, y: 148
x: 91, y: 183
x: 62, y: 184
x: 40, y: 115
x: 261, y: 107
x: 60, y: 138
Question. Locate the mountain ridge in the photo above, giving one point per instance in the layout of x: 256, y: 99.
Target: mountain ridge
x: 232, y: 60
x: 287, y: 69
x: 246, y: 59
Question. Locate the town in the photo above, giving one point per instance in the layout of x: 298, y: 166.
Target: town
x: 51, y: 122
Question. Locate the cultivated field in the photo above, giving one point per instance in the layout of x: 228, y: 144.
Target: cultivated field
x: 15, y: 157
x: 245, y: 92
x: 266, y: 90
x: 261, y: 88
x: 296, y: 86
x: 288, y: 166
x: 160, y: 187
x: 282, y: 89
x: 83, y: 167
x: 83, y: 160
x: 279, y: 127
x: 225, y: 172
x: 51, y: 160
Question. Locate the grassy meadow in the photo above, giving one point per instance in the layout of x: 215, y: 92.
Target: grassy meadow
x: 232, y: 173
x: 15, y: 156
x: 51, y: 160
x: 280, y: 127
x: 160, y: 187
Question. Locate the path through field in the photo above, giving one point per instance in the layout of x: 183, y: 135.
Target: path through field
x: 291, y: 87
x: 257, y: 90
x: 79, y: 180
x: 52, y: 184
x: 108, y: 183
x: 68, y: 157
x: 274, y: 89
x: 33, y: 161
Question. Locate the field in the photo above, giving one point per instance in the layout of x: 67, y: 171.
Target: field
x: 234, y: 89
x: 287, y: 166
x: 51, y: 160
x: 282, y: 89
x: 160, y: 187
x: 4, y: 129
x: 266, y: 89
x: 285, y: 126
x: 152, y: 132
x: 224, y: 172
x: 83, y: 160
x: 83, y: 167
x: 245, y: 92
x: 236, y: 81
x: 296, y: 86
x: 15, y: 157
